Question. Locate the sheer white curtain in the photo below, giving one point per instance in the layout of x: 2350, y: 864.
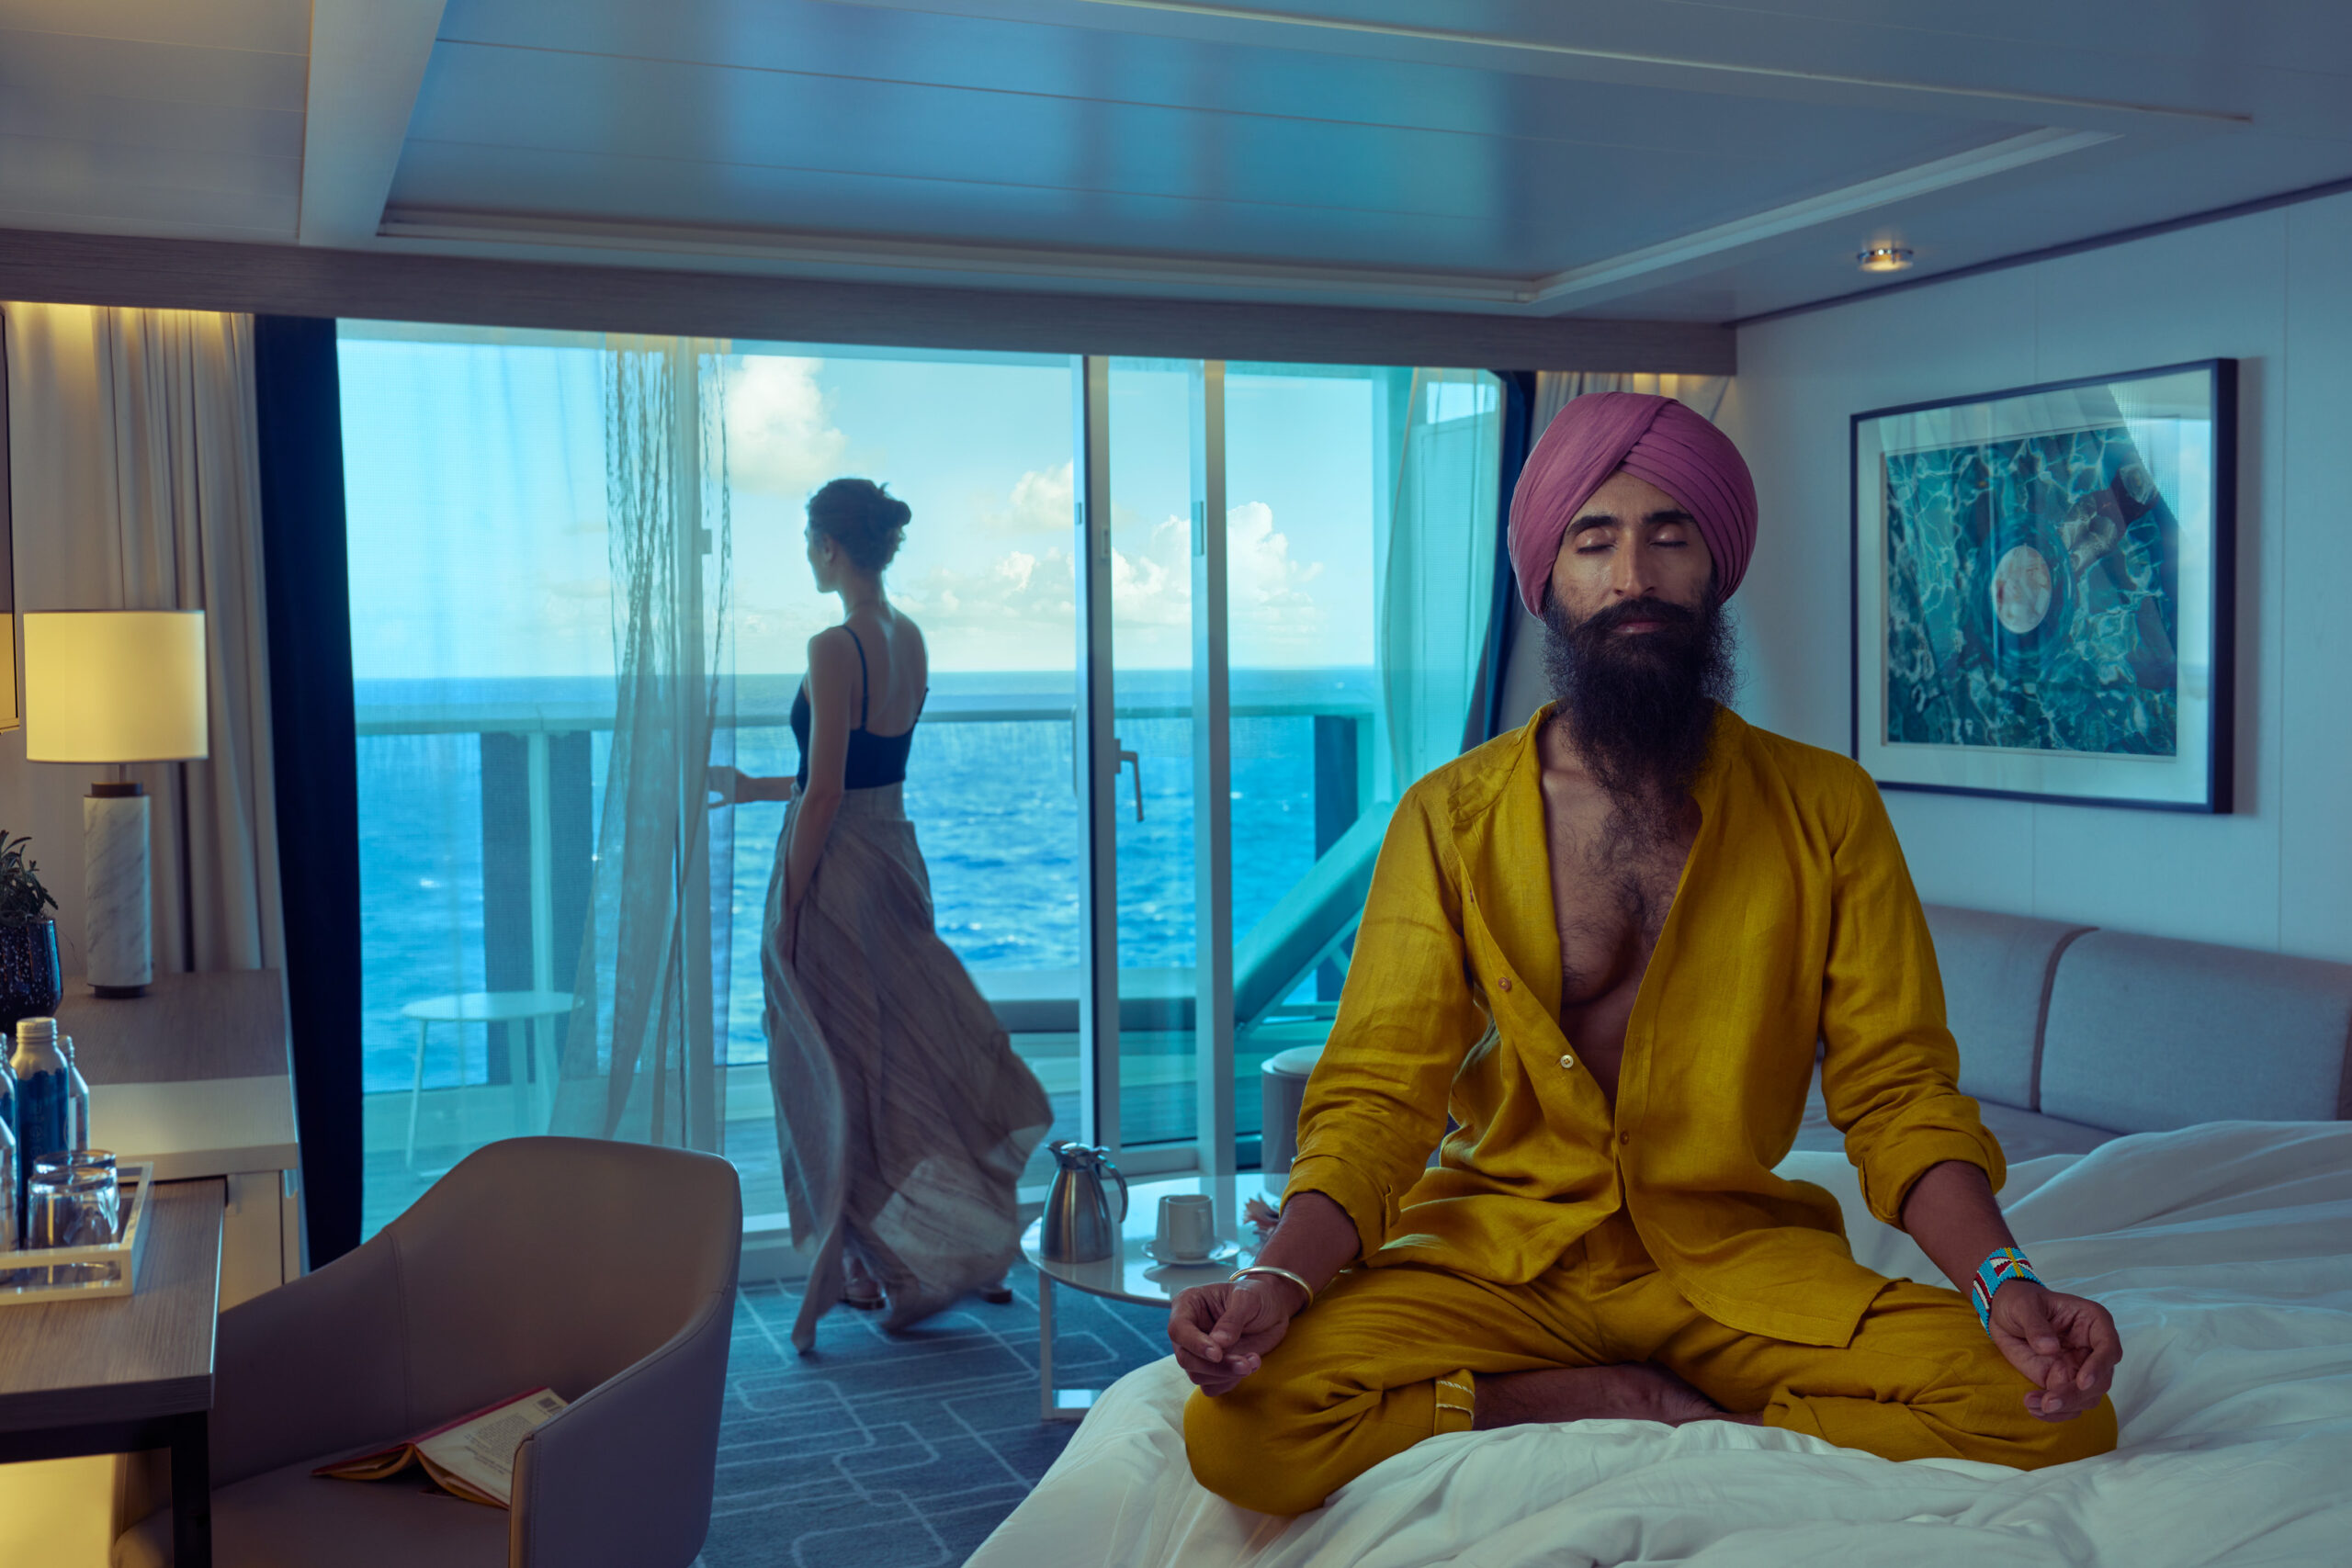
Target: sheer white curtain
x: 135, y: 473
x: 639, y: 1061
x: 1437, y: 579
x: 1523, y: 685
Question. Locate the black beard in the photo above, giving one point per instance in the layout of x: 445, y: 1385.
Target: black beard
x: 1640, y: 708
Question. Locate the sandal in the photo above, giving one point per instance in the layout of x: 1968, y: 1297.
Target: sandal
x: 863, y: 1293
x: 998, y: 1294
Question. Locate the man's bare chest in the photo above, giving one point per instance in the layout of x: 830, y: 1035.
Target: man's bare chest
x: 1611, y: 895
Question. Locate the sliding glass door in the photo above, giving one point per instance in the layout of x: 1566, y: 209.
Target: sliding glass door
x: 1192, y: 629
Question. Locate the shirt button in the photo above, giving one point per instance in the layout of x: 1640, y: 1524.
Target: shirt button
x: 1567, y: 1061
x: 1506, y: 982
x: 1624, y: 1137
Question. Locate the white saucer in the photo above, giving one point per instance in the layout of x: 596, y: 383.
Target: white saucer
x: 1223, y: 1252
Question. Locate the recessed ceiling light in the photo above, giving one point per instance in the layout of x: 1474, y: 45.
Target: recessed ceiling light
x: 1885, y: 258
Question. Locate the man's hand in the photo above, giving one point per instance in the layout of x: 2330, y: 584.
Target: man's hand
x: 1222, y: 1332
x: 2066, y: 1345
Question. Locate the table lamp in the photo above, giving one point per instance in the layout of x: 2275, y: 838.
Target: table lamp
x: 117, y: 686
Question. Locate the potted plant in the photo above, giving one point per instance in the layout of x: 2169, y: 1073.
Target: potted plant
x: 31, y: 980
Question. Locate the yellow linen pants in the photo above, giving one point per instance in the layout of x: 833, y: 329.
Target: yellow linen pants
x: 1388, y: 1357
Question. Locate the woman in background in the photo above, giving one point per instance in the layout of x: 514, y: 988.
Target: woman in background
x: 903, y: 1117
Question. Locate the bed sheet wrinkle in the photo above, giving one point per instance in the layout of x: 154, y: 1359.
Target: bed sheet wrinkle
x: 2224, y: 1251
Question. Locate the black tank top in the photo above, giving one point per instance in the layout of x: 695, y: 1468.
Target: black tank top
x: 873, y: 760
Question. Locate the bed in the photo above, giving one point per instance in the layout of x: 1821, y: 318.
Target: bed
x: 2224, y: 1250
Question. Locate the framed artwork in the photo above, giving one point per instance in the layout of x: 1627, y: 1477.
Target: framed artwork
x: 2042, y: 587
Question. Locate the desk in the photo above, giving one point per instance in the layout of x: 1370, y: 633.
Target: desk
x: 129, y: 1372
x: 195, y: 1076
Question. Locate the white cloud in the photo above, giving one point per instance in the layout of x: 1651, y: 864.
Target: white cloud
x: 1018, y: 613
x: 1040, y: 502
x: 1275, y: 618
x: 1265, y: 590
x: 780, y: 437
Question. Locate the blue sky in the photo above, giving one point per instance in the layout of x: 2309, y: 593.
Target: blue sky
x: 475, y: 477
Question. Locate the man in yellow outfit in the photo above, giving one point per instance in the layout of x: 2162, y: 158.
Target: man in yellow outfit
x: 1607, y: 944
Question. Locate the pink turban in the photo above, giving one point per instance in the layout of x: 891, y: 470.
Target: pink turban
x: 1651, y: 438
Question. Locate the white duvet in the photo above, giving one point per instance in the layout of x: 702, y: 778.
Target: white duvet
x: 2224, y: 1252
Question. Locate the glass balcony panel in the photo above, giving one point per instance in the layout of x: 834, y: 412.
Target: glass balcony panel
x: 1151, y: 637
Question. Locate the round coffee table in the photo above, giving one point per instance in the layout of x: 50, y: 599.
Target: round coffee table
x: 1130, y: 1276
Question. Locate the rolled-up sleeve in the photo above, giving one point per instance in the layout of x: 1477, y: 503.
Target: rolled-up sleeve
x: 1891, y: 1071
x: 1375, y: 1105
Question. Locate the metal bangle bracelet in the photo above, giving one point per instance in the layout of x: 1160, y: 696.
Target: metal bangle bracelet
x: 1280, y: 1273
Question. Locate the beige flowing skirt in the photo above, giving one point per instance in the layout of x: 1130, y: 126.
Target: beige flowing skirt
x: 901, y: 1111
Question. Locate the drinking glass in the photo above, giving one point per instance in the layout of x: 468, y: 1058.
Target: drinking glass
x: 94, y: 1172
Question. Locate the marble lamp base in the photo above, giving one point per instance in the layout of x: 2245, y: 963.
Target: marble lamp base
x: 115, y: 886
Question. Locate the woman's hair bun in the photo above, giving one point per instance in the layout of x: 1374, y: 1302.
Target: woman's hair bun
x: 863, y: 518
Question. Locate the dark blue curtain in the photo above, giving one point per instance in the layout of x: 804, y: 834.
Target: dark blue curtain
x: 307, y: 586
x: 1519, y: 413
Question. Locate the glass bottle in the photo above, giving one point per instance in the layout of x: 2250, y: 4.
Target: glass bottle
x: 77, y: 1097
x: 12, y: 1180
x: 8, y: 1119
x: 44, y: 1102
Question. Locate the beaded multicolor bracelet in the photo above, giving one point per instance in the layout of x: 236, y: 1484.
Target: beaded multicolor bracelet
x: 2003, y: 1265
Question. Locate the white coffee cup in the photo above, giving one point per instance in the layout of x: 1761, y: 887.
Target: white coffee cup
x: 1187, y: 1225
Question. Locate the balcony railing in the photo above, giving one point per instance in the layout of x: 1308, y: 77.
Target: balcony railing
x: 537, y: 760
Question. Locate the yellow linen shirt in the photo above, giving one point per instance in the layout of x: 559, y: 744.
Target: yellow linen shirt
x: 1794, y: 921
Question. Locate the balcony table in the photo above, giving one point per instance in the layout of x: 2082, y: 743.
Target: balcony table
x: 526, y: 1008
x: 1129, y: 1275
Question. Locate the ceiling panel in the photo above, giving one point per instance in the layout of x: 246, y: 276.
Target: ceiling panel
x: 269, y: 27
x: 51, y: 184
x: 1701, y: 159
x: 2299, y: 36
x: 166, y: 73
x: 1105, y: 141
x: 152, y: 117
x: 2111, y: 191
x: 47, y: 111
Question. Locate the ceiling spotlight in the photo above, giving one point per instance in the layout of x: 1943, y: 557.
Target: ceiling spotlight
x: 1885, y: 258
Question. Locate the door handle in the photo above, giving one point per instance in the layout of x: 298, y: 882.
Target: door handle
x: 1125, y: 757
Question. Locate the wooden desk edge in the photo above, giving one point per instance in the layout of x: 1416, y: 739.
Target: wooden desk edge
x: 181, y: 1276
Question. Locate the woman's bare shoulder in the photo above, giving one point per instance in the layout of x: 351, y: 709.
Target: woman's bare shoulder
x: 830, y: 657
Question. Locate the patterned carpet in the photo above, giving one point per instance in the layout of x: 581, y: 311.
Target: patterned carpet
x: 898, y: 1452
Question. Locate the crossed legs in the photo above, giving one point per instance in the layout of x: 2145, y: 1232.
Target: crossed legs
x: 1390, y: 1356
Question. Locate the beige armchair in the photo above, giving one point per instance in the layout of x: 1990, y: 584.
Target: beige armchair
x: 603, y: 1270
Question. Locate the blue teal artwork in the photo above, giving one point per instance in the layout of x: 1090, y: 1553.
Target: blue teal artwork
x: 2032, y: 597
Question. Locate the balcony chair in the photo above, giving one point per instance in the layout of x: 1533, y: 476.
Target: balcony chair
x: 603, y: 1270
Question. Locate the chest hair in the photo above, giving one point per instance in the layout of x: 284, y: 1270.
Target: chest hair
x: 1612, y: 888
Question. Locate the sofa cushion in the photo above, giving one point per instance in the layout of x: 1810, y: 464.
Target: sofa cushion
x: 2146, y: 1034
x: 2022, y: 1134
x: 1996, y: 971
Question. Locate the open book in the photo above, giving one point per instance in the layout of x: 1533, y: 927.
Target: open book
x: 473, y: 1457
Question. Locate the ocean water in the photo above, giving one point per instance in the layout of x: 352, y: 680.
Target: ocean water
x: 990, y: 787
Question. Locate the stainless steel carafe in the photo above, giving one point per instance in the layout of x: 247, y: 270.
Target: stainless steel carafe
x: 1079, y: 1226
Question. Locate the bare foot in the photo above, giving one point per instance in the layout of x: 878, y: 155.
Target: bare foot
x: 1637, y: 1391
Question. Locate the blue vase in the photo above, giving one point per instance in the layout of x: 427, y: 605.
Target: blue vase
x: 30, y: 979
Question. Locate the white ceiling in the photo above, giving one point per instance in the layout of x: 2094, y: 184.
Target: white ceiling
x: 1681, y: 159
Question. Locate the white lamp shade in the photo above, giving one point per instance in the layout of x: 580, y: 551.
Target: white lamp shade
x: 115, y: 686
